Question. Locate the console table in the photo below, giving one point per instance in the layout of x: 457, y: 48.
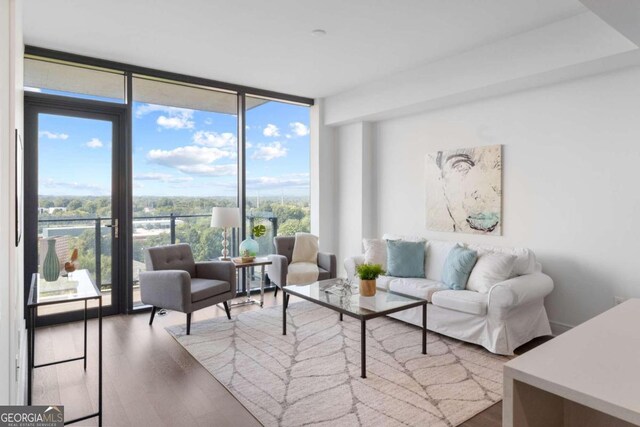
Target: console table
x: 588, y: 376
x: 78, y: 286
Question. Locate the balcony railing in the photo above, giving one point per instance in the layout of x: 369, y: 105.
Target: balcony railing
x: 92, y: 238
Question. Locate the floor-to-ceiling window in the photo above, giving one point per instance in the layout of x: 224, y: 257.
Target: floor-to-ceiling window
x: 277, y: 169
x: 185, y: 161
x: 180, y: 151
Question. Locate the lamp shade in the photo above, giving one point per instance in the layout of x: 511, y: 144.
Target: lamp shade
x: 225, y: 217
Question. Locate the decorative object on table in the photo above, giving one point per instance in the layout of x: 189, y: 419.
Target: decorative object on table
x: 72, y: 265
x: 19, y: 185
x: 225, y: 218
x: 249, y: 248
x: 464, y: 190
x: 341, y: 287
x: 51, y: 265
x: 368, y: 273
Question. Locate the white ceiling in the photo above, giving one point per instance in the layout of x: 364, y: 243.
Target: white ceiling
x: 268, y: 44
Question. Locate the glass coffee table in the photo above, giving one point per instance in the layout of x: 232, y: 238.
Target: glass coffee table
x: 334, y: 295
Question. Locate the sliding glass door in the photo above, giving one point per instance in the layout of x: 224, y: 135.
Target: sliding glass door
x: 73, y: 176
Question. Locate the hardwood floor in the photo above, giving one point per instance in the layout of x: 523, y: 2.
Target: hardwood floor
x: 148, y: 378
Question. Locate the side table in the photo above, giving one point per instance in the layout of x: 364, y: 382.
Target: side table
x: 243, y: 266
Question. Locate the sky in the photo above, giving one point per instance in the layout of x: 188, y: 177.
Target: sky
x: 179, y: 152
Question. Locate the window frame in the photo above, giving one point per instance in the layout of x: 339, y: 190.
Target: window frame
x: 125, y: 189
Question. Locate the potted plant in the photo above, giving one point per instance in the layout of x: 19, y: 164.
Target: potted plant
x: 368, y: 273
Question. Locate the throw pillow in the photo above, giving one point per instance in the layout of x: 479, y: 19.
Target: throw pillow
x: 491, y: 268
x: 305, y: 249
x: 405, y: 259
x: 375, y: 252
x: 458, y: 266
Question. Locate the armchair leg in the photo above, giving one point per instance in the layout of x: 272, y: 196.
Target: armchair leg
x: 226, y: 308
x: 275, y: 293
x: 153, y: 314
x: 188, y: 323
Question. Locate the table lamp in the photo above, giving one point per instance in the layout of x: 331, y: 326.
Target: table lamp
x: 225, y: 218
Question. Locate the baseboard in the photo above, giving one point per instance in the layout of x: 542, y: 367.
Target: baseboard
x: 558, y: 328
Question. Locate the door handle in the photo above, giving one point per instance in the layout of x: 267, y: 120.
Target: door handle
x: 115, y: 228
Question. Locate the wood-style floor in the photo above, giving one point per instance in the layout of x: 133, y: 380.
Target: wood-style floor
x: 149, y: 379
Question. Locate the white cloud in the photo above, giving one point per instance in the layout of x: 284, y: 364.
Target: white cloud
x: 209, y: 170
x: 271, y: 130
x: 194, y: 160
x: 173, y: 117
x: 162, y: 177
x: 299, y: 129
x: 214, y: 139
x: 71, y: 185
x: 94, y: 143
x: 176, y: 122
x: 208, y: 121
x: 270, y: 151
x: 300, y: 181
x: 189, y: 155
x: 52, y: 135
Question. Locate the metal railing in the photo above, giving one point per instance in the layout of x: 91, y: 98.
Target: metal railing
x: 173, y: 222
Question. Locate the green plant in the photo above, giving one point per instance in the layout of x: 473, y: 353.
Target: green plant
x: 258, y: 230
x: 369, y: 271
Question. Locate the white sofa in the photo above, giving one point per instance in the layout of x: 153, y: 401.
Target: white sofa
x: 511, y: 314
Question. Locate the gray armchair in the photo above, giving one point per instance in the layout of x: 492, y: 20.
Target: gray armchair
x: 173, y: 280
x: 281, y: 260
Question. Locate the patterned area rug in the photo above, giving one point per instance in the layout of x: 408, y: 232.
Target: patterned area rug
x: 311, y: 376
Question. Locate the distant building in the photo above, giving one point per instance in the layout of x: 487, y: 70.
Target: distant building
x: 52, y: 210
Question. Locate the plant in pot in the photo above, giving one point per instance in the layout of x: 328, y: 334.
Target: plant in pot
x: 249, y: 248
x: 368, y: 273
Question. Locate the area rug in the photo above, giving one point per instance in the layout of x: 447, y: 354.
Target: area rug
x: 311, y: 376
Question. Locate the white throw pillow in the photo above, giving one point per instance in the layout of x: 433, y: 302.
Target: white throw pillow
x: 491, y: 268
x: 375, y: 252
x: 305, y: 249
x: 435, y: 256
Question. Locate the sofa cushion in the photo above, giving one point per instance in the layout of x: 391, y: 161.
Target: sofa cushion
x: 405, y: 259
x: 388, y: 236
x: 525, y: 262
x: 302, y: 273
x: 383, y: 282
x: 205, y: 288
x: 491, y: 268
x: 465, y: 301
x: 416, y: 287
x: 375, y: 252
x: 436, y: 255
x: 458, y: 266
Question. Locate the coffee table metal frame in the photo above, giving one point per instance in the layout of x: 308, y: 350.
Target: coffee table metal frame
x: 289, y: 290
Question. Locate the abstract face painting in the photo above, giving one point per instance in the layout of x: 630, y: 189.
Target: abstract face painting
x: 464, y: 190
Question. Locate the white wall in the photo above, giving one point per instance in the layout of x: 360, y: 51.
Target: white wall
x: 571, y: 164
x: 354, y: 201
x: 11, y: 283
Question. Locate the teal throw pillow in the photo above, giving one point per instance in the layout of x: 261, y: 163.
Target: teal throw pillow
x: 405, y: 259
x: 458, y: 266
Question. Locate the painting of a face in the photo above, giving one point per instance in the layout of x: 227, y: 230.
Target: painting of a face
x: 464, y: 190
